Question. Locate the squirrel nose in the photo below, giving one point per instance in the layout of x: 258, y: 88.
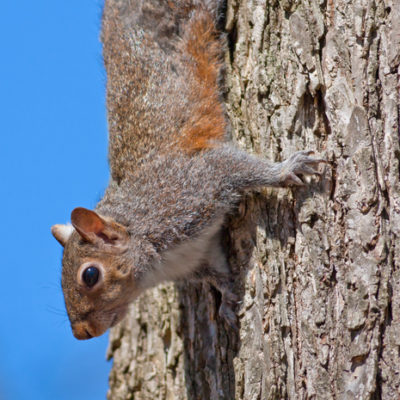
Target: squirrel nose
x: 81, y: 331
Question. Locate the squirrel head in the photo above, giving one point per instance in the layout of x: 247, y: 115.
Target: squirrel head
x: 97, y: 278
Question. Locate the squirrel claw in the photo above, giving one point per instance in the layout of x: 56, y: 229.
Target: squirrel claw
x: 301, y: 163
x: 293, y: 179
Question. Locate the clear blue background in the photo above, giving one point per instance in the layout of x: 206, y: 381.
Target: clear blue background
x: 53, y: 157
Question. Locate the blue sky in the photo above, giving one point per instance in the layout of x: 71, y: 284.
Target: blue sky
x: 53, y: 157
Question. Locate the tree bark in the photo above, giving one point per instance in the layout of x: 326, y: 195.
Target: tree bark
x: 317, y: 268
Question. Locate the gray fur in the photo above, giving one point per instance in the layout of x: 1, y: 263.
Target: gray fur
x: 174, y: 205
x: 161, y: 215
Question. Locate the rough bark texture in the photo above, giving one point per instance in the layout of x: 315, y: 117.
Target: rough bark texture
x: 318, y: 268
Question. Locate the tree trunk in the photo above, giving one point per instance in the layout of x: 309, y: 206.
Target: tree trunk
x: 318, y: 268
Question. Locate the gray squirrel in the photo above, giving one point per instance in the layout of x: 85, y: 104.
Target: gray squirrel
x: 174, y: 175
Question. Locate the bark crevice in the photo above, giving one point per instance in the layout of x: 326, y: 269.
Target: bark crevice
x: 317, y: 268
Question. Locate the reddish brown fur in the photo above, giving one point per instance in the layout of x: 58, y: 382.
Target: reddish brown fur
x: 162, y: 86
x: 207, y: 124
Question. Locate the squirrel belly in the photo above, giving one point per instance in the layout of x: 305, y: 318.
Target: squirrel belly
x: 174, y: 177
x: 184, y: 259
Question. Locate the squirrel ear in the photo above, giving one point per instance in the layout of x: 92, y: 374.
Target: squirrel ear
x: 95, y: 229
x: 62, y: 233
x: 87, y: 223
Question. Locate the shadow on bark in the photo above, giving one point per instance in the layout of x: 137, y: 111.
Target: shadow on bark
x: 210, y: 347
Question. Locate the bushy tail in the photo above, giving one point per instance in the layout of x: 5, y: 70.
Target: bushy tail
x: 203, y: 45
x: 163, y: 60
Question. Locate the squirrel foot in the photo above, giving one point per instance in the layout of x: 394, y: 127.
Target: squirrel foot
x: 227, y: 313
x: 229, y: 301
x: 300, y: 163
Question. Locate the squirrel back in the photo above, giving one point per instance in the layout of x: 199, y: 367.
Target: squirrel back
x: 163, y: 60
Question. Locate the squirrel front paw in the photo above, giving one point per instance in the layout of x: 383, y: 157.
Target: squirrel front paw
x: 299, y: 163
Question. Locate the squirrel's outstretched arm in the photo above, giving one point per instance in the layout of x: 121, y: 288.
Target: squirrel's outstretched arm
x: 244, y: 171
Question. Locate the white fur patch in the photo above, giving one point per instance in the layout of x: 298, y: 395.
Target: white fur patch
x: 184, y: 258
x: 62, y: 232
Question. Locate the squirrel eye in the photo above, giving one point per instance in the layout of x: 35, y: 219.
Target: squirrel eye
x: 90, y: 276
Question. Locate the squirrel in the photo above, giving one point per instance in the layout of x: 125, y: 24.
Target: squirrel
x: 174, y: 174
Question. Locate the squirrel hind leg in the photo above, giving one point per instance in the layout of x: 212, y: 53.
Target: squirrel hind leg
x: 225, y: 286
x: 229, y: 301
x: 216, y: 271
